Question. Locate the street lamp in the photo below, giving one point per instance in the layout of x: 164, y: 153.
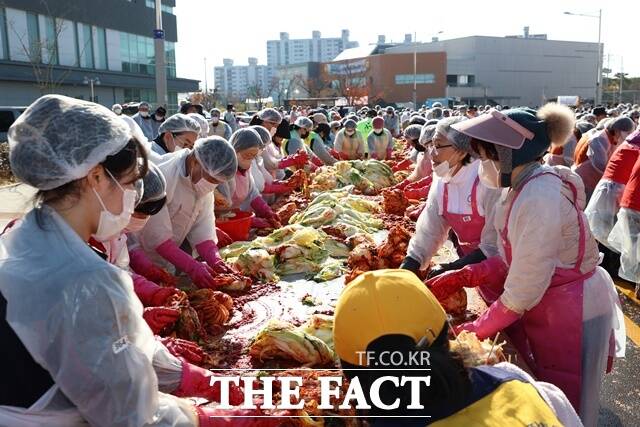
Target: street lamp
x: 91, y: 82
x: 598, y: 96
x: 415, y: 67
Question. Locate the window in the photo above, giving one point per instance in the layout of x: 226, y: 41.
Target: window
x: 405, y: 79
x: 452, y: 80
x: 4, y: 44
x: 51, y: 40
x: 33, y: 34
x: 6, y: 120
x: 101, y: 41
x: 86, y: 46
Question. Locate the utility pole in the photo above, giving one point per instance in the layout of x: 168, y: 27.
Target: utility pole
x: 206, y: 86
x: 161, y: 69
x: 415, y: 71
x: 621, y: 79
x: 598, y: 96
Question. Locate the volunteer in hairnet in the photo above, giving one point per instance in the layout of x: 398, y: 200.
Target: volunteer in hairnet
x: 457, y: 201
x: 177, y: 132
x: 192, y: 176
x: 556, y: 304
x: 349, y: 142
x: 76, y: 349
x: 593, y: 152
x: 263, y: 179
x: 303, y: 138
x: 241, y: 191
x: 269, y: 118
x: 274, y: 161
x: 416, y: 185
x: 143, y: 118
x: 380, y: 141
x: 217, y: 127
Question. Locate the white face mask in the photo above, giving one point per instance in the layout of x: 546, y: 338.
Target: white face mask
x: 273, y: 131
x: 444, y: 171
x: 144, y: 113
x: 110, y: 225
x: 215, y: 120
x: 136, y: 224
x: 118, y: 111
x: 204, y: 187
x: 349, y: 132
x: 489, y: 174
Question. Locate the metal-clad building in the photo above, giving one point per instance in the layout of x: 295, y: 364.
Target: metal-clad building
x: 61, y: 46
x: 514, y: 70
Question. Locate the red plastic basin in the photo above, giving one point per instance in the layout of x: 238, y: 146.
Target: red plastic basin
x: 238, y: 226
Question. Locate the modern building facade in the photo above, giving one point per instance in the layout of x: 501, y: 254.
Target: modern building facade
x: 372, y: 75
x: 523, y: 71
x: 59, y: 46
x: 286, y: 51
x: 239, y: 82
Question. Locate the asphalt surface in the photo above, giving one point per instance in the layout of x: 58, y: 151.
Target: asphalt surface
x: 620, y: 395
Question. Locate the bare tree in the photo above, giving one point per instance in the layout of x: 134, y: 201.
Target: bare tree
x: 42, y: 54
x: 349, y: 79
x: 314, y: 87
x: 260, y: 92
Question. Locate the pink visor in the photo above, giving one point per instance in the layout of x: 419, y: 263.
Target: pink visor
x: 496, y: 128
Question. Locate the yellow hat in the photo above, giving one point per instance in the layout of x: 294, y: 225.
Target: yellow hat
x: 384, y: 302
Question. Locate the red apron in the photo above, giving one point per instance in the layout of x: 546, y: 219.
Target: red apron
x: 468, y: 228
x: 549, y: 335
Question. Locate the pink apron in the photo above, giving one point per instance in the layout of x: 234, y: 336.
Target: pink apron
x: 468, y: 228
x: 549, y: 335
x: 242, y: 188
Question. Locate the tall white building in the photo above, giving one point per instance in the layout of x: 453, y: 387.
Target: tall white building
x: 286, y: 51
x: 242, y: 81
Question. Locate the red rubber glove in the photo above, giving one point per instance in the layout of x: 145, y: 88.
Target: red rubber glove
x: 200, y: 273
x: 389, y: 153
x: 196, y: 382
x: 260, y: 223
x: 298, y: 159
x: 187, y: 350
x: 276, y: 188
x: 215, y: 417
x: 496, y: 318
x: 416, y: 193
x: 223, y: 238
x: 402, y: 185
x: 335, y: 154
x: 159, y: 318
x: 263, y: 210
x: 491, y: 270
x: 150, y: 294
x: 402, y: 166
x: 141, y: 264
x: 316, y: 161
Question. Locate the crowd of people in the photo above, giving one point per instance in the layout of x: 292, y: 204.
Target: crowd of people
x: 532, y: 199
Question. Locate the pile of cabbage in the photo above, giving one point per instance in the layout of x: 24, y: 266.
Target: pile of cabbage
x: 290, y: 250
x: 367, y: 176
x: 352, y: 213
x: 310, y: 344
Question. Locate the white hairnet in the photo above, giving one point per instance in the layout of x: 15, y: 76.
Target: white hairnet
x: 270, y: 115
x: 215, y: 112
x: 155, y: 185
x: 426, y: 134
x: 459, y: 140
x: 413, y: 132
x: 204, y: 125
x: 245, y: 138
x: 350, y: 124
x: 59, y: 139
x: 179, y: 123
x: 265, y: 136
x: 217, y: 157
x: 304, y: 123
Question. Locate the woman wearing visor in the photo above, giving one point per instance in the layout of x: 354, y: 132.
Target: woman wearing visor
x: 457, y: 201
x: 556, y: 304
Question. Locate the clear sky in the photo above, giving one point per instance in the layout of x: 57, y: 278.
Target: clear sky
x: 238, y: 30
